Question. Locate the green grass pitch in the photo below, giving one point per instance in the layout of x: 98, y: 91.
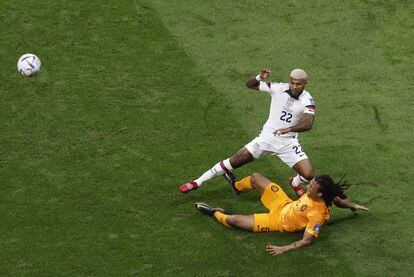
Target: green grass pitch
x: 136, y: 97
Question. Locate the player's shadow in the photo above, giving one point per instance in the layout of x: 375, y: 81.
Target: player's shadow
x: 220, y: 196
x: 339, y: 220
x: 218, y: 193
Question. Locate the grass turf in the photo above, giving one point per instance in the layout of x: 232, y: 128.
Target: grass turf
x: 137, y: 97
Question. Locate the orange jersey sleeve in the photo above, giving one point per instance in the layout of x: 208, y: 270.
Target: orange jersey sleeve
x: 315, y: 223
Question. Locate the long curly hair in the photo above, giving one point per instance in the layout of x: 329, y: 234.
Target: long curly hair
x: 330, y: 189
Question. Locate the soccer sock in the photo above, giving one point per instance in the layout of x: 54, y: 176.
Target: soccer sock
x: 208, y: 175
x: 222, y: 218
x: 297, y: 180
x: 217, y: 170
x: 243, y: 184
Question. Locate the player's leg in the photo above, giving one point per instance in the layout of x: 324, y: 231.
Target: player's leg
x: 304, y: 169
x: 245, y: 222
x: 253, y: 223
x: 305, y: 175
x: 293, y: 155
x: 254, y: 150
x: 255, y: 181
x: 242, y: 157
x: 273, y: 198
x: 259, y: 182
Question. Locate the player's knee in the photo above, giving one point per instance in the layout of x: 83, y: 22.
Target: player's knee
x: 308, y: 175
x: 242, y: 157
x: 233, y: 220
x: 255, y: 177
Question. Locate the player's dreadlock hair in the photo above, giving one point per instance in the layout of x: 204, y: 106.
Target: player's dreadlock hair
x: 330, y: 189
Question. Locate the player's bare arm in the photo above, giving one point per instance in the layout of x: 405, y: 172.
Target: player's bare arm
x: 254, y: 81
x: 304, y: 125
x: 346, y: 204
x: 277, y: 250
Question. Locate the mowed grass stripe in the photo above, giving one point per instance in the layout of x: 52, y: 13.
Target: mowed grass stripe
x: 93, y: 154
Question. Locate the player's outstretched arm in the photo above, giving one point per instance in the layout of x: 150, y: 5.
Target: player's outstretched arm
x: 277, y: 250
x: 254, y: 81
x: 346, y: 204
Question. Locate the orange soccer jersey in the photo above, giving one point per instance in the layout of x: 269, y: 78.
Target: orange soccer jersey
x: 303, y: 213
x: 290, y: 216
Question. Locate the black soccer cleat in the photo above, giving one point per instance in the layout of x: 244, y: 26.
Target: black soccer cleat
x: 231, y: 178
x: 206, y: 209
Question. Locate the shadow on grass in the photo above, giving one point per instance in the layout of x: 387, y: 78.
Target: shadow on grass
x: 337, y: 221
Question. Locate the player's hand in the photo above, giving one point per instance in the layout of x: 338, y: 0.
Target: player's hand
x: 275, y: 250
x: 359, y: 208
x: 264, y: 73
x: 281, y: 131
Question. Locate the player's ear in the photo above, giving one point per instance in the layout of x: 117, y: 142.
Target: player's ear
x: 320, y: 194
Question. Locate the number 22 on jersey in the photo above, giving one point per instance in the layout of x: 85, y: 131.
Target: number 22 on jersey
x: 286, y: 116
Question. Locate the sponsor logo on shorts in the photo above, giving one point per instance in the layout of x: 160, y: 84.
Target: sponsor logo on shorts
x: 263, y: 229
x: 317, y: 228
x: 303, y: 208
x: 274, y: 188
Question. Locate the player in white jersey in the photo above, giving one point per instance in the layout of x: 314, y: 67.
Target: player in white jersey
x: 292, y: 110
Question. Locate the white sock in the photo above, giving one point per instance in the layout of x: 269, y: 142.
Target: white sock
x: 217, y: 170
x: 297, y: 180
x: 227, y: 164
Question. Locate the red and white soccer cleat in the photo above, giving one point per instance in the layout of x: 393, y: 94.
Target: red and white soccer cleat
x: 188, y: 187
x: 298, y: 190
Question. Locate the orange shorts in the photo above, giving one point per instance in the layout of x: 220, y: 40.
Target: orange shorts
x: 274, y: 199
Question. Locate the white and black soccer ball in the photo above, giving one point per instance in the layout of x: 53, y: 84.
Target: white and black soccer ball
x: 28, y: 65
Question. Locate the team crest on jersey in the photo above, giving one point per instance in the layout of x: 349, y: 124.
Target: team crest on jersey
x: 274, y: 188
x: 290, y: 102
x: 317, y: 228
x: 303, y: 208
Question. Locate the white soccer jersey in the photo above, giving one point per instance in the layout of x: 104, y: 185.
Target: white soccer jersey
x: 285, y: 111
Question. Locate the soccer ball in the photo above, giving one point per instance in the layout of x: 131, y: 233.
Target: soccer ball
x: 28, y: 65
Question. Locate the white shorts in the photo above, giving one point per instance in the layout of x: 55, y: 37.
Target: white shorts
x: 287, y: 149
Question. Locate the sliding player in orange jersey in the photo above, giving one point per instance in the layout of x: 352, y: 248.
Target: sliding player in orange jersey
x: 285, y: 215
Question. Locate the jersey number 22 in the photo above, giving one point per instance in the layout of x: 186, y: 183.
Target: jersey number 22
x: 286, y: 116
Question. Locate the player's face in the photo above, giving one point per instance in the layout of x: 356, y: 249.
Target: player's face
x: 312, y: 189
x: 296, y: 86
